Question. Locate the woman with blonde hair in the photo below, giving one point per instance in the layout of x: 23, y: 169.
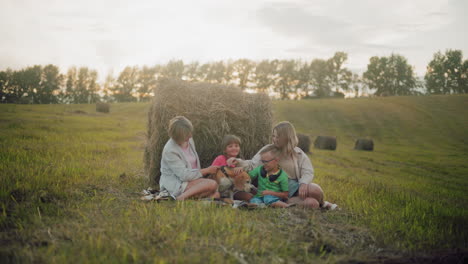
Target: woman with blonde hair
x: 181, y: 173
x: 295, y: 163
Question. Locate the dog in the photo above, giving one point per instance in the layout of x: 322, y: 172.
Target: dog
x: 228, y: 182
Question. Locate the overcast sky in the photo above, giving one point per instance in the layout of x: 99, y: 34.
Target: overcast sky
x: 107, y: 35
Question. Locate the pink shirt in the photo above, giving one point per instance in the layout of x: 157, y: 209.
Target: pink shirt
x: 221, y: 160
x: 190, y: 157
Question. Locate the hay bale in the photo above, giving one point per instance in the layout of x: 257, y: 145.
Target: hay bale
x: 325, y: 142
x: 304, y: 142
x: 215, y: 110
x: 102, y: 107
x: 364, y: 144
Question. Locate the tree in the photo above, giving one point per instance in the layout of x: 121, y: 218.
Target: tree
x: 50, y: 85
x: 243, y: 69
x: 229, y: 71
x: 319, y: 77
x: 174, y: 69
x: 202, y: 72
x: 126, y: 84
x: 390, y: 76
x: 447, y: 73
x: 216, y: 72
x: 303, y: 78
x: 81, y: 87
x: 5, y: 80
x: 30, y: 81
x: 70, y: 94
x: 17, y: 87
x: 340, y: 77
x: 107, y: 87
x: 286, y: 78
x: 93, y: 87
x: 191, y: 71
x: 265, y: 75
x: 146, y: 83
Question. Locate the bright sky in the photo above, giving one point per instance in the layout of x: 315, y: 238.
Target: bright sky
x: 112, y: 34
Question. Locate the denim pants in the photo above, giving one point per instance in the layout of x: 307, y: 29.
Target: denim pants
x: 293, y: 187
x: 267, y: 199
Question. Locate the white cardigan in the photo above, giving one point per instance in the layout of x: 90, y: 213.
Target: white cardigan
x: 176, y: 169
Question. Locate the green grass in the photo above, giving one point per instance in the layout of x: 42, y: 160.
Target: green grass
x: 411, y: 191
x: 69, y: 184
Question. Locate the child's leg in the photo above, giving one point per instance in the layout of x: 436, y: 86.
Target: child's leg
x: 270, y: 199
x: 280, y: 204
x: 257, y: 200
x: 274, y: 201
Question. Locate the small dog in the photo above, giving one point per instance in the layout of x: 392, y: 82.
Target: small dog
x: 228, y: 182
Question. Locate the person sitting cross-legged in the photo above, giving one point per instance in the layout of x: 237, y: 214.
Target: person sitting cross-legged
x: 272, y: 180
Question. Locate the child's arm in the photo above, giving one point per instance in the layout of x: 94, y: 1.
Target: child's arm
x: 282, y: 195
x: 254, y: 173
x: 284, y: 187
x: 238, y: 170
x: 219, y: 161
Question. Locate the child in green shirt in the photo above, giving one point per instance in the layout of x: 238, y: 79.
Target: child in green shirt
x: 272, y: 181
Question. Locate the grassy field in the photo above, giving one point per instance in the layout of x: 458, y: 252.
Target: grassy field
x: 70, y: 178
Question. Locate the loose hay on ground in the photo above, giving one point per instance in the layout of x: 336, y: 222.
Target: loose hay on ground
x: 215, y: 110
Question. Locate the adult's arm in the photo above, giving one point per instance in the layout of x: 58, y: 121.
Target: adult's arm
x: 249, y: 165
x: 177, y: 165
x: 305, y: 168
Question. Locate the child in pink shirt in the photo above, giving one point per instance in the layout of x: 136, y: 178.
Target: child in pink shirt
x: 231, y: 149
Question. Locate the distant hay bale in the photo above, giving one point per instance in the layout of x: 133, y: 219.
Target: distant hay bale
x: 304, y: 142
x: 364, y: 144
x: 102, y: 107
x: 325, y: 142
x: 215, y: 110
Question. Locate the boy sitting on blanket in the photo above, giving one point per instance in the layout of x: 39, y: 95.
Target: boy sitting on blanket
x: 272, y: 180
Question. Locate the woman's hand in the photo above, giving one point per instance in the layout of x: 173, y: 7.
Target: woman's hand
x: 238, y: 170
x: 232, y: 162
x: 209, y: 170
x: 303, y: 191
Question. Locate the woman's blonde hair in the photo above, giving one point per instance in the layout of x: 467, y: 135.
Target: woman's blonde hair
x: 179, y: 128
x: 228, y: 140
x: 287, y: 130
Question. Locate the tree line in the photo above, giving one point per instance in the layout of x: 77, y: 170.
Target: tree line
x: 446, y: 73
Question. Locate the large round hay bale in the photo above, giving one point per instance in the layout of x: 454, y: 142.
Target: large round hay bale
x: 102, y: 107
x: 364, y: 144
x: 325, y: 142
x: 215, y: 110
x: 303, y: 142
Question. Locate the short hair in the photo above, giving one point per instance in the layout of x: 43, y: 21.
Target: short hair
x: 228, y: 140
x: 286, y: 129
x: 179, y: 128
x: 275, y: 151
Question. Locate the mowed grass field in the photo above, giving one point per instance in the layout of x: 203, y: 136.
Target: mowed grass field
x: 70, y: 180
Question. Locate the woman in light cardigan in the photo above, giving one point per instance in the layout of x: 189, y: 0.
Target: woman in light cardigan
x: 181, y: 174
x: 294, y: 162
